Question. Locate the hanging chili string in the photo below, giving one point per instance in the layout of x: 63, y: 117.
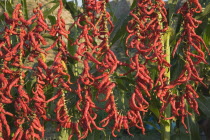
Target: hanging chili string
x: 193, y: 56
x: 145, y: 31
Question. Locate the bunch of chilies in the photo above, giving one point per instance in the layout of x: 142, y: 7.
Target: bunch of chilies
x: 96, y: 82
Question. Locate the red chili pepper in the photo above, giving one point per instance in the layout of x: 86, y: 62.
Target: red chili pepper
x: 3, y: 82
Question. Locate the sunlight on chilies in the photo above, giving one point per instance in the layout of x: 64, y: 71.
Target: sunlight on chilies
x: 190, y: 44
x: 28, y: 41
x: 144, y: 47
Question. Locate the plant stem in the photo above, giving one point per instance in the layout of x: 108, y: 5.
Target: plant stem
x: 166, y: 127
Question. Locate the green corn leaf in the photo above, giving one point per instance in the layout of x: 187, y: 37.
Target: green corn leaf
x: 133, y: 4
x: 121, y: 32
x: 206, y: 35
x: 7, y: 6
x: 193, y: 127
x: 72, y: 48
x: 2, y: 17
x: 72, y: 8
x: 171, y: 10
x: 114, y: 18
x: 121, y: 85
x: 25, y: 11
x: 205, y: 13
x: 70, y: 71
x: 52, y: 19
x: 47, y: 12
x: 154, y: 109
x: 204, y: 104
x: 202, y: 26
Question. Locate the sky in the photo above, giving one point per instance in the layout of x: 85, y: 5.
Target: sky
x: 79, y: 2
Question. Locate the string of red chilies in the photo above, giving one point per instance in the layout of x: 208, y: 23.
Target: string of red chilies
x: 193, y: 56
x: 29, y: 40
x: 145, y: 31
x: 44, y: 74
x: 105, y: 63
x: 108, y: 66
x: 89, y: 52
x: 58, y: 71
